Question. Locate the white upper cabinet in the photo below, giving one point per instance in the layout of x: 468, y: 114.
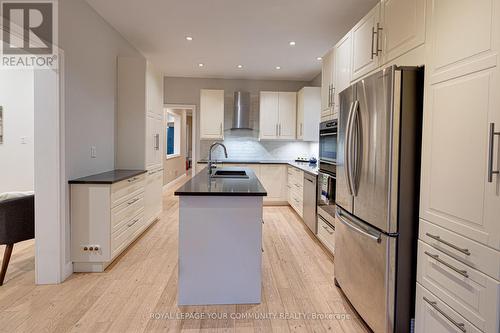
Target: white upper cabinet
x: 269, y: 115
x: 211, y: 114
x: 287, y: 115
x: 402, y: 27
x: 308, y: 113
x: 464, y: 37
x: 343, y: 56
x: 278, y: 112
x: 462, y: 102
x: 366, y: 44
x: 327, y: 84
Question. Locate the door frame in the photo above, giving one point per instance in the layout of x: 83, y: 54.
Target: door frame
x: 194, y: 128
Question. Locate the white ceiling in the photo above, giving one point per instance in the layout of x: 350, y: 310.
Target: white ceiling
x: 254, y: 33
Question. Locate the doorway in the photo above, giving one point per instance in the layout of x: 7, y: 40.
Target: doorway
x: 180, y: 138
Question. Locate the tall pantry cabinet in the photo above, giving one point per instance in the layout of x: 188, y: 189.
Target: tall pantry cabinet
x: 139, y: 128
x: 458, y: 281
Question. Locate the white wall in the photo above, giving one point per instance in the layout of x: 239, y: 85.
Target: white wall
x: 91, y: 49
x: 16, y: 158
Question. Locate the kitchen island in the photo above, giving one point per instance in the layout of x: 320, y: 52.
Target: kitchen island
x: 220, y: 238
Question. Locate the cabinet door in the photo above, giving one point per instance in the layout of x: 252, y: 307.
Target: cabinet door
x: 287, y: 115
x: 269, y: 108
x: 461, y: 103
x: 326, y: 83
x: 364, y: 44
x: 159, y: 146
x: 273, y: 178
x: 211, y: 114
x: 403, y: 27
x: 456, y: 193
x: 300, y: 114
x: 150, y: 142
x: 342, y: 66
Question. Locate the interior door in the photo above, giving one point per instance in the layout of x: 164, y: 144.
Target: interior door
x: 372, y: 118
x: 287, y: 115
x: 343, y: 196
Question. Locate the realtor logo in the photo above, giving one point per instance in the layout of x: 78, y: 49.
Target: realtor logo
x: 28, y: 34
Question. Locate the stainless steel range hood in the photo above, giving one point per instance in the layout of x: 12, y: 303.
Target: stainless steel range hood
x: 241, y: 112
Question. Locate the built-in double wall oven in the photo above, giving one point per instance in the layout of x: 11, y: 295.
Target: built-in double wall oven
x: 327, y: 171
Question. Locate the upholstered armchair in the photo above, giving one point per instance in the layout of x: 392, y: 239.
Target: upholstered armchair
x: 17, y: 224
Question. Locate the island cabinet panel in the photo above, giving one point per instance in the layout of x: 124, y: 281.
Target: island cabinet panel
x: 220, y: 250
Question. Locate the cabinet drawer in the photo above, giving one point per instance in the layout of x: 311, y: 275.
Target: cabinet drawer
x: 469, y: 292
x: 126, y: 189
x: 480, y: 257
x: 126, y: 211
x: 326, y: 234
x: 433, y: 315
x: 120, y: 238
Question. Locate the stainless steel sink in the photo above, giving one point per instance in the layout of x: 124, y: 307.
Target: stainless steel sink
x: 229, y: 174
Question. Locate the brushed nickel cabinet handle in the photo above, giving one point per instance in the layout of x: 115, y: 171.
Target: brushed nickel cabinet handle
x: 132, y: 180
x: 460, y: 326
x: 491, y: 152
x: 379, y: 30
x: 439, y: 239
x: 133, y: 222
x: 279, y: 127
x: 374, y: 32
x: 276, y: 129
x: 325, y: 227
x: 436, y: 257
x: 132, y: 201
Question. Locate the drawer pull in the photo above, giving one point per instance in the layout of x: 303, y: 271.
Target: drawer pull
x: 439, y: 239
x: 132, y: 180
x: 326, y: 228
x: 460, y: 326
x: 436, y: 257
x: 133, y: 222
x: 132, y: 201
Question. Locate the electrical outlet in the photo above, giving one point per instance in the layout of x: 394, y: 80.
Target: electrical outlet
x: 93, y: 152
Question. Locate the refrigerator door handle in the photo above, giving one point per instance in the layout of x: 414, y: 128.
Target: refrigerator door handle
x: 347, y: 149
x: 375, y: 237
x: 354, y: 132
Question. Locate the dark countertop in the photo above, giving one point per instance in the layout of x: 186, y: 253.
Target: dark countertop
x: 202, y: 185
x: 304, y: 166
x: 109, y: 177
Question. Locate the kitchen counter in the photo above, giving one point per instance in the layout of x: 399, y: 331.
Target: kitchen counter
x: 304, y: 166
x: 204, y: 185
x: 109, y: 177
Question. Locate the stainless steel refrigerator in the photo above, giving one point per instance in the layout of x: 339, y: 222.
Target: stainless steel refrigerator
x: 377, y: 191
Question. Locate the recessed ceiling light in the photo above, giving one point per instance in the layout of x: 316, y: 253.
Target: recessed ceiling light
x: 200, y: 65
x: 278, y: 67
x: 189, y: 38
x: 240, y: 66
x: 292, y: 43
x: 319, y: 58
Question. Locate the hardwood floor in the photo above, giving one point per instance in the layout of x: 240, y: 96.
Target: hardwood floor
x: 138, y: 292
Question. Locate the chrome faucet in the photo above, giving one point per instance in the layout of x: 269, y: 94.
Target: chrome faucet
x: 210, y: 167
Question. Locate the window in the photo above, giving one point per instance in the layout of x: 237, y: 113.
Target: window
x: 173, y: 127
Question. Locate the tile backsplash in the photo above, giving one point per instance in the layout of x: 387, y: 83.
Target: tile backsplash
x: 245, y: 145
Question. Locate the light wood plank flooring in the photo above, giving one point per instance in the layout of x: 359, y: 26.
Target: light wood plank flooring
x: 138, y: 292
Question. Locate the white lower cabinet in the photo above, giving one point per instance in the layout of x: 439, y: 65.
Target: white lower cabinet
x: 467, y: 291
x: 153, y: 192
x: 295, y: 189
x: 273, y: 178
x: 326, y: 234
x: 434, y: 316
x: 107, y: 218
